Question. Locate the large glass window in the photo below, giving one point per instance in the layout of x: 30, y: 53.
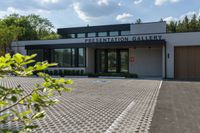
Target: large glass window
x: 92, y: 34
x: 81, y: 35
x: 73, y: 57
x: 39, y: 52
x: 124, y: 33
x: 81, y: 57
x: 69, y: 57
x: 72, y: 35
x: 102, y: 34
x: 114, y: 33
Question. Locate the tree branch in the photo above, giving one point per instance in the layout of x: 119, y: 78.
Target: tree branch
x: 11, y: 106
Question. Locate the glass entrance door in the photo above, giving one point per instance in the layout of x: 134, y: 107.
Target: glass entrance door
x: 100, y: 61
x: 124, y: 65
x: 112, y: 60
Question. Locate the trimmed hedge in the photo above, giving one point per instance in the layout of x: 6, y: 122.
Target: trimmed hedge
x: 63, y: 73
x: 126, y: 75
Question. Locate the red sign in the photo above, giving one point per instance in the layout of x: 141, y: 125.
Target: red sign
x: 132, y: 59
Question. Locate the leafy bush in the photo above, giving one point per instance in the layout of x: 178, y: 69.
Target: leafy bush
x: 66, y: 72
x: 33, y: 102
x: 82, y: 72
x: 46, y: 71
x: 61, y: 73
x: 92, y: 75
x: 50, y: 72
x: 126, y: 75
x: 55, y: 72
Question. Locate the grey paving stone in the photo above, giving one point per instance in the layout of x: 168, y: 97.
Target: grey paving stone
x: 98, y: 105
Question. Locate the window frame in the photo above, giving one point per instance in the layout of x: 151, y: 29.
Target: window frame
x: 81, y: 34
x: 95, y: 35
x: 125, y: 31
x: 114, y: 32
x: 75, y: 63
x: 103, y: 35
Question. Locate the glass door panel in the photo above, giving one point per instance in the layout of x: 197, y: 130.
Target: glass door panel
x: 112, y: 61
x: 100, y: 61
x: 124, y: 65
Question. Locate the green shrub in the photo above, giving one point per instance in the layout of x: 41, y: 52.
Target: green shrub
x: 55, y: 72
x: 81, y: 72
x: 61, y: 73
x: 46, y: 71
x: 50, y: 72
x: 92, y: 75
x: 77, y: 72
x: 65, y: 72
x: 131, y: 75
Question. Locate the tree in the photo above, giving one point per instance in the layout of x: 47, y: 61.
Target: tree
x: 161, y: 20
x: 185, y: 25
x: 7, y: 35
x: 193, y: 25
x: 33, y: 102
x: 171, y: 27
x: 138, y: 21
x: 17, y: 27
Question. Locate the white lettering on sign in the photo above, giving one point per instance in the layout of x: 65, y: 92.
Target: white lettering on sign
x: 123, y: 38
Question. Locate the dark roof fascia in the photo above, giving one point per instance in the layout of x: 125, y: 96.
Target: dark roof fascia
x: 93, y: 45
x: 90, y: 29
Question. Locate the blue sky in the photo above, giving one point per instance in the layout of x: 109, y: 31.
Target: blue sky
x: 72, y: 13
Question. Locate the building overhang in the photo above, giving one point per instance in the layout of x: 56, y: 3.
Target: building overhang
x: 99, y: 45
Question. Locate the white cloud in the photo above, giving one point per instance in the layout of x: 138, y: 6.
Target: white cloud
x: 138, y: 1
x: 82, y: 15
x: 125, y: 17
x: 102, y: 2
x: 161, y: 2
x: 189, y: 14
x: 91, y: 10
x: 48, y: 1
x: 169, y: 19
x: 11, y: 10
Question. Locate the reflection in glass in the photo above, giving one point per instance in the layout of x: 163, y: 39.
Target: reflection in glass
x: 102, y: 34
x: 92, y: 34
x: 124, y: 33
x: 81, y: 35
x: 69, y: 57
x: 124, y: 61
x: 112, y: 61
x: 101, y: 61
x: 81, y: 57
x: 114, y: 33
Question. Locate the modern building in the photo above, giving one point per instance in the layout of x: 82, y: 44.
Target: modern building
x: 145, y: 49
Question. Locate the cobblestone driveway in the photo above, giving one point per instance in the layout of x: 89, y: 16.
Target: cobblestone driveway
x: 99, y: 105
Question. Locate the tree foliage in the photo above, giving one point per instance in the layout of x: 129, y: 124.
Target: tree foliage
x: 185, y: 25
x: 31, y: 27
x: 33, y: 102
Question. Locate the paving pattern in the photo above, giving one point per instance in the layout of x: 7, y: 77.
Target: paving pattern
x: 98, y: 106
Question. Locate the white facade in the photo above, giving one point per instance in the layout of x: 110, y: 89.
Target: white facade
x: 149, y: 60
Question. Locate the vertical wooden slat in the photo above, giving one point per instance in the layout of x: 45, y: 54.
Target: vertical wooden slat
x: 187, y: 63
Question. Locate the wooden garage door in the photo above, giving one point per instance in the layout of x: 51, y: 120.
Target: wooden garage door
x: 187, y: 63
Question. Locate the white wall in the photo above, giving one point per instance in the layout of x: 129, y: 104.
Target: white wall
x: 148, y: 28
x: 147, y: 61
